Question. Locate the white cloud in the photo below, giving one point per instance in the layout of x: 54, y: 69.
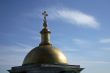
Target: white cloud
x: 16, y: 48
x: 89, y: 62
x: 81, y: 42
x: 70, y: 50
x: 74, y: 17
x: 105, y: 40
x: 106, y: 49
x: 96, y: 62
x: 13, y: 54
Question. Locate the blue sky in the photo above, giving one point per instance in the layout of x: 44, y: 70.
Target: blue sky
x: 80, y: 28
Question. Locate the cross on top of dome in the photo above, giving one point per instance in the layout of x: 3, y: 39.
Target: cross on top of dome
x: 45, y: 14
x: 45, y: 21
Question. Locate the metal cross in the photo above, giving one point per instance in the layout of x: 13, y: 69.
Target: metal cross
x: 45, y: 21
x: 45, y: 14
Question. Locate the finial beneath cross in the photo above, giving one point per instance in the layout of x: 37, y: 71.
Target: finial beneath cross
x: 45, y: 21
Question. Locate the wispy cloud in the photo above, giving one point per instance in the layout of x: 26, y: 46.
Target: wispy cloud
x: 87, y: 61
x: 105, y: 40
x: 16, y: 52
x: 74, y: 17
x: 93, y: 62
x: 106, y: 49
x: 70, y: 50
x: 17, y: 48
x: 35, y: 35
x: 79, y: 41
x: 82, y: 42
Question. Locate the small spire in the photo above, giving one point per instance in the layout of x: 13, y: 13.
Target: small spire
x: 45, y: 21
x: 45, y: 33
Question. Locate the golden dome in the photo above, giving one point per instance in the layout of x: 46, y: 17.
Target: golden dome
x: 45, y: 55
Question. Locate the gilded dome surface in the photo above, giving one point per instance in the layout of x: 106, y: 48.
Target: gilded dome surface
x: 45, y: 55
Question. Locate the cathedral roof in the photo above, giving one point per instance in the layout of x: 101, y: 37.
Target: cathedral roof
x: 45, y: 53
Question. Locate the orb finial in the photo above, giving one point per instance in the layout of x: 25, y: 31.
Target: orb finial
x: 45, y: 21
